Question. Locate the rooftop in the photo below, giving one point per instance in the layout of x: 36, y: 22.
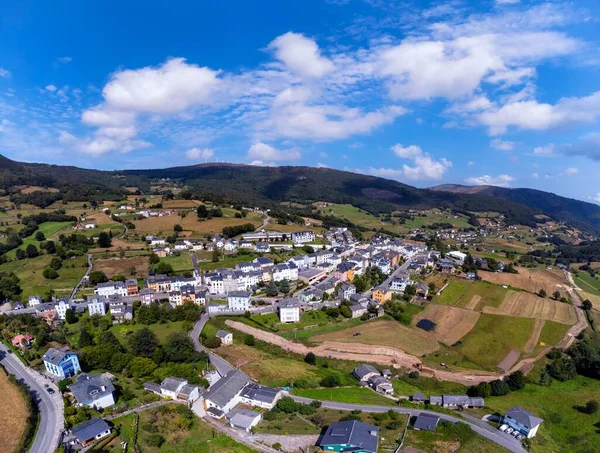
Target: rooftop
x: 226, y: 388
x: 523, y: 416
x: 89, y: 388
x: 90, y: 429
x: 352, y: 433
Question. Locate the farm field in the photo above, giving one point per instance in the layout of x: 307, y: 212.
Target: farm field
x: 162, y: 331
x: 14, y: 414
x: 122, y: 266
x: 33, y: 282
x: 438, y: 217
x: 453, y: 292
x: 553, y: 332
x: 180, y: 263
x: 492, y: 338
x: 292, y: 228
x: 595, y: 300
x: 385, y: 333
x: 588, y: 283
x: 48, y: 228
x: 191, y: 225
x: 482, y: 294
x: 352, y: 395
x: 522, y: 304
x: 452, y: 323
x: 556, y: 405
x: 531, y: 280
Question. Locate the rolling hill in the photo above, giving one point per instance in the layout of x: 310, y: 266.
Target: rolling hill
x: 269, y: 186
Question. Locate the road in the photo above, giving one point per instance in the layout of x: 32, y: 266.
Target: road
x: 50, y: 406
x: 87, y: 273
x: 479, y: 426
x: 264, y: 224
x: 220, y: 364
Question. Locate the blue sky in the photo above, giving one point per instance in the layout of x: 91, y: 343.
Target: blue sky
x: 501, y: 92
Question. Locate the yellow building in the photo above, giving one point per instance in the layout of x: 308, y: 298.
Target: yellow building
x: 381, y: 295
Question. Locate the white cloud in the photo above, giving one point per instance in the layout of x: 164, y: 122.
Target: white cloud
x: 507, y: 2
x: 470, y: 163
x: 4, y: 73
x: 487, y: 180
x: 100, y: 145
x: 571, y: 171
x: 535, y: 176
x: 51, y: 88
x: 406, y: 152
x: 502, y: 145
x: 544, y: 151
x: 301, y: 55
x: 596, y: 198
x: 261, y: 152
x: 197, y: 154
x: 322, y: 165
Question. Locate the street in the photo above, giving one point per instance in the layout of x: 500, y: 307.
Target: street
x: 50, y: 406
x: 221, y: 365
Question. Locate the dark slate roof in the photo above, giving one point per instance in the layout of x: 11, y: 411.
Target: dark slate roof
x: 455, y: 399
x: 55, y: 356
x: 524, y: 417
x: 476, y: 402
x: 352, y: 433
x: 418, y: 396
x: 171, y: 384
x: 426, y: 422
x: 435, y: 400
x: 215, y: 412
x: 90, y: 429
x: 362, y: 370
x: 91, y: 387
x: 187, y: 390
x: 222, y: 333
x: 226, y: 388
x: 242, y: 418
x: 289, y: 302
x: 152, y: 387
x: 239, y: 294
x: 259, y: 393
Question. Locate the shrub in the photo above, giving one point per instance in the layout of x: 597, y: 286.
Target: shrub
x: 50, y: 273
x: 310, y: 358
x: 591, y: 407
x: 249, y: 340
x: 212, y: 342
x: 330, y: 381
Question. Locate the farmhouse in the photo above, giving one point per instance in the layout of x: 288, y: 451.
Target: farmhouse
x: 365, y: 372
x: 289, y: 310
x: 460, y: 401
x: 225, y: 394
x: 62, y: 363
x: 175, y: 388
x: 260, y: 396
x: 225, y: 337
x: 90, y: 431
x: 350, y: 436
x: 381, y: 385
x: 523, y: 421
x: 93, y: 390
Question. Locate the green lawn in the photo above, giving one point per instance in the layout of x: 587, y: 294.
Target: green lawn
x: 352, y: 395
x: 588, y: 283
x: 33, y: 282
x: 553, y: 332
x: 453, y: 292
x: 564, y: 428
x: 180, y: 263
x: 162, y: 331
x: 492, y: 338
x: 491, y: 295
x: 227, y: 261
x: 333, y: 326
x: 430, y: 386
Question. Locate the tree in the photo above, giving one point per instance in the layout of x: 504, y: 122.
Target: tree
x: 179, y: 348
x: 212, y: 342
x: 310, y: 358
x: 330, y: 381
x: 587, y: 305
x: 284, y: 286
x: 287, y: 405
x: 591, y: 407
x: 85, y: 338
x: 70, y: 317
x: 216, y: 255
x: 50, y: 274
x: 55, y: 263
x: 96, y: 277
x: 50, y: 247
x: 104, y: 240
x: 346, y: 312
x: 272, y: 290
x: 249, y: 340
x: 143, y: 342
x: 542, y: 293
x: 556, y: 295
x: 20, y: 254
x: 202, y: 212
x: 164, y: 268
x: 32, y: 251
x: 499, y: 388
x: 39, y: 236
x: 177, y: 228
x: 562, y: 369
x: 154, y: 259
x: 515, y: 380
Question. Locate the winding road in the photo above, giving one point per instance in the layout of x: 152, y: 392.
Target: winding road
x: 50, y: 406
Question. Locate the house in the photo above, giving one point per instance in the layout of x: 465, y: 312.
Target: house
x: 154, y: 241
x: 435, y: 400
x: 381, y: 294
x: 225, y: 337
x: 22, y: 341
x: 93, y: 390
x: 300, y: 237
x: 121, y: 311
x: 418, y: 397
x: 243, y: 419
x: 260, y: 396
x: 381, y: 385
x: 346, y: 290
x: 239, y: 301
x: 175, y: 388
x: 365, y: 372
x: 110, y: 289
x: 426, y: 422
x: 445, y: 266
x: 523, y: 421
x: 262, y: 247
x: 346, y: 271
x: 289, y: 310
x: 399, y: 284
x: 311, y: 295
x: 61, y: 308
x: 263, y: 262
x: 357, y: 310
x: 285, y: 271
x: 161, y: 252
x: 61, y: 363
x: 97, y: 306
x: 311, y: 275
x: 481, y: 263
x: 225, y: 394
x: 457, y: 257
x: 351, y: 436
x: 34, y: 301
x: 386, y: 373
x: 46, y: 312
x: 131, y: 287
x: 461, y: 401
x: 90, y: 431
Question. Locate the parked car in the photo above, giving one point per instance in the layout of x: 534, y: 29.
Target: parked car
x: 50, y: 391
x: 515, y: 433
x: 509, y: 430
x: 520, y: 436
x: 503, y: 427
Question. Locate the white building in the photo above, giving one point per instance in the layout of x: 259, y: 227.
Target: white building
x: 239, y: 301
x: 93, y: 390
x: 225, y: 337
x: 457, y: 257
x: 97, y: 306
x: 284, y: 272
x: 522, y: 421
x: 111, y: 289
x: 61, y: 308
x: 300, y: 237
x: 34, y: 301
x: 289, y: 310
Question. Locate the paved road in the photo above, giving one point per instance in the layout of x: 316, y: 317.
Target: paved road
x: 264, y: 224
x: 87, y: 272
x: 50, y: 406
x: 221, y: 365
x: 479, y: 426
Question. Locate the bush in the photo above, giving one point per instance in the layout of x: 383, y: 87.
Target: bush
x: 591, y: 407
x: 50, y: 273
x: 393, y: 425
x: 249, y: 340
x: 155, y: 440
x: 310, y: 358
x: 330, y: 381
x: 212, y: 342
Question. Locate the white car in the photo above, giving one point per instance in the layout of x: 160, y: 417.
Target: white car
x: 509, y: 430
x: 520, y: 436
x: 503, y: 428
x: 515, y: 433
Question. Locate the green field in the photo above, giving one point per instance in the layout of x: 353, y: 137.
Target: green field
x: 33, y: 282
x: 333, y: 326
x: 492, y: 338
x: 353, y: 395
x: 431, y: 218
x: 227, y: 261
x: 453, y: 292
x: 588, y: 283
x: 162, y: 331
x: 430, y: 386
x: 491, y: 295
x: 48, y: 228
x: 179, y: 263
x: 564, y: 428
x: 553, y: 332
x: 311, y: 318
